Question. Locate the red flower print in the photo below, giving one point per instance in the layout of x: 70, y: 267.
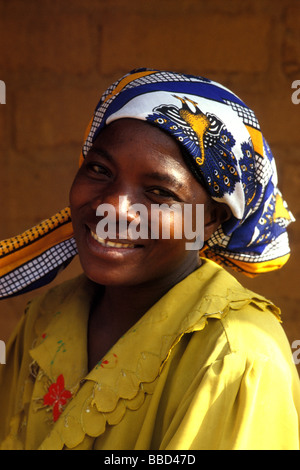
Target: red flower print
x: 57, y: 397
x: 110, y: 363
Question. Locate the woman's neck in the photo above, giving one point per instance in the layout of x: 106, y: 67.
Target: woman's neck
x: 116, y: 309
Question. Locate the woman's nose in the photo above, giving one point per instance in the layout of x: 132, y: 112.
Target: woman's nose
x: 117, y: 215
x: 123, y: 208
x: 118, y: 202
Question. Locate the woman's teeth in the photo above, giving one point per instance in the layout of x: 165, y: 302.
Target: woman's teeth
x: 105, y: 242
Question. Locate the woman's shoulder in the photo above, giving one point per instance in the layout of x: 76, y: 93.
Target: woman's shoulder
x: 41, y: 307
x: 58, y: 293
x: 254, y: 330
x: 242, y: 322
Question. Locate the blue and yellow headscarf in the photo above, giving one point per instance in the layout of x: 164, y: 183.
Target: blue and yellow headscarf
x: 225, y: 149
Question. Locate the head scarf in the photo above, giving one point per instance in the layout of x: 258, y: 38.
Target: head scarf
x: 224, y: 148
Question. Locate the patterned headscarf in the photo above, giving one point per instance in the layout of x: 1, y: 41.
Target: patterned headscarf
x: 224, y: 148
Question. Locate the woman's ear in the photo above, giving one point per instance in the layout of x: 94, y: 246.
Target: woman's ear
x: 214, y: 215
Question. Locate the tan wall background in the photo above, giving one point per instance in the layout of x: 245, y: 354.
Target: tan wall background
x: 57, y: 56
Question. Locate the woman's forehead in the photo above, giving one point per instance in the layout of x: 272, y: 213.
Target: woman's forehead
x: 140, y: 134
x: 147, y: 147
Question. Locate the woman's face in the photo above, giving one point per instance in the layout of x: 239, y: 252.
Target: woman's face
x: 140, y: 163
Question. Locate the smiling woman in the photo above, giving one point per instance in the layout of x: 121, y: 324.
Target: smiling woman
x: 155, y: 346
x: 143, y: 164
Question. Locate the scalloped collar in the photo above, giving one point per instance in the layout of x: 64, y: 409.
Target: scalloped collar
x: 131, y: 367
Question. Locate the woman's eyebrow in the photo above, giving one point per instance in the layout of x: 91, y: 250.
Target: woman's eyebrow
x: 166, y: 178
x: 101, y: 152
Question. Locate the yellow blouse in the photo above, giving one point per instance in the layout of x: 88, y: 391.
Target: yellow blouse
x: 207, y: 367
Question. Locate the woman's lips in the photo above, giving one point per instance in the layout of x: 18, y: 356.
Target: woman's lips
x: 110, y: 244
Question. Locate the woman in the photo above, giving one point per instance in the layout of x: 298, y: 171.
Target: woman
x: 154, y: 347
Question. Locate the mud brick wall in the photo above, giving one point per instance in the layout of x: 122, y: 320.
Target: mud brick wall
x: 57, y: 56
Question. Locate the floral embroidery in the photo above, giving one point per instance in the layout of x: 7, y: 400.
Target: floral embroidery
x: 61, y: 347
x: 57, y: 397
x: 103, y: 363
x: 113, y: 360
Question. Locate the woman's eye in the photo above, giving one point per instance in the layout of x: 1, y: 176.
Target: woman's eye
x: 163, y: 193
x: 98, y: 169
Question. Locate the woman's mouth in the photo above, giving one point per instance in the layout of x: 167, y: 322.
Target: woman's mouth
x: 109, y: 244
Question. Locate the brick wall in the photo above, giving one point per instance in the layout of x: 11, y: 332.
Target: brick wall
x: 57, y: 56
